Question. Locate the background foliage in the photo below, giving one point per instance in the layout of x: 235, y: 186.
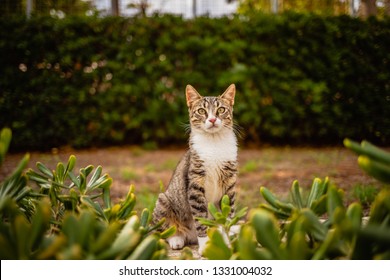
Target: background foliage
x: 301, y: 79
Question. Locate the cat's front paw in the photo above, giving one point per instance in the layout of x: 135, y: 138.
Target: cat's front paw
x: 234, y: 230
x: 202, y: 244
x: 176, y: 242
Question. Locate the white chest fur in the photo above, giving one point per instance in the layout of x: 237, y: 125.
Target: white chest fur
x: 214, y: 150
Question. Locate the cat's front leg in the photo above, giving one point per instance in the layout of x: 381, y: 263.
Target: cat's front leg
x: 197, y: 198
x: 198, y: 205
x: 229, y: 186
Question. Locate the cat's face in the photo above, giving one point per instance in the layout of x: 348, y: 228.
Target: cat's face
x: 211, y: 114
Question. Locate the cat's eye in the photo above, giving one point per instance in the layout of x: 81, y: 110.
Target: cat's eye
x: 221, y: 110
x: 202, y: 111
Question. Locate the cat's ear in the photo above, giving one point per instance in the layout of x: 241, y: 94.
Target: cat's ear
x: 192, y: 95
x: 229, y: 94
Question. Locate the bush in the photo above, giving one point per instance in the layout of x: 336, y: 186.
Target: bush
x: 301, y: 79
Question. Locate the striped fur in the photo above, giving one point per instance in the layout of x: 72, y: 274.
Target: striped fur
x: 206, y: 172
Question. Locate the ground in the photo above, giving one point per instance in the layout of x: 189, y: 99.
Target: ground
x: 275, y: 168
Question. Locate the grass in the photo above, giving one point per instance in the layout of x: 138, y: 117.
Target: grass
x: 249, y: 166
x: 145, y: 199
x: 129, y: 174
x: 365, y: 194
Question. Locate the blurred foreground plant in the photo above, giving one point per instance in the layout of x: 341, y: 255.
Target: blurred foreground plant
x: 320, y: 227
x: 71, y: 216
x: 222, y: 234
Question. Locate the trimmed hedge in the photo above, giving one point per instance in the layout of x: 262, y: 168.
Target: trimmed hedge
x: 301, y: 79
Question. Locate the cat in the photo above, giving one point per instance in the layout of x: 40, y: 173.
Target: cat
x: 206, y: 172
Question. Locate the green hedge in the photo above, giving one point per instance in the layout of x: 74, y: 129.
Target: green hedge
x: 301, y: 79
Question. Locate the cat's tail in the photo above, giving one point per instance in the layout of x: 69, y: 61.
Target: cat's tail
x: 165, y: 208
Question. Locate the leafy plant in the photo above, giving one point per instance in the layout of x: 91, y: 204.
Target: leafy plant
x: 316, y: 200
x: 15, y: 186
x: 65, y: 219
x: 376, y: 162
x: 373, y: 160
x: 303, y: 234
x: 222, y: 236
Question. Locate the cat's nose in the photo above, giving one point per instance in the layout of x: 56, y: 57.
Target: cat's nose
x: 212, y: 120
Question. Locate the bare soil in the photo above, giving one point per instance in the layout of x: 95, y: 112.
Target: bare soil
x: 275, y: 168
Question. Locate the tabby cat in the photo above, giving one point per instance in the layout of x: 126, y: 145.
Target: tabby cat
x: 206, y: 172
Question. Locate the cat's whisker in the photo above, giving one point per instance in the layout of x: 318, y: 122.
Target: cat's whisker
x: 187, y: 127
x: 238, y: 130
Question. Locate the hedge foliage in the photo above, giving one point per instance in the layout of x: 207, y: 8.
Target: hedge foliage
x: 301, y: 79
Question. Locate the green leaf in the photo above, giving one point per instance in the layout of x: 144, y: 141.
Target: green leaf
x: 233, y: 221
x: 60, y: 172
x: 93, y: 205
x: 94, y: 178
x: 156, y: 226
x: 247, y: 245
x: 312, y: 224
x: 168, y: 232
x: 22, y: 235
x: 207, y: 222
x: 296, y: 195
x: 105, y: 239
x: 75, y: 180
x: 107, y: 197
x: 334, y: 201
x: 5, y: 140
x: 71, y: 163
x: 279, y: 213
x: 331, y: 240
x: 146, y: 249
x: 46, y: 171
x: 374, y: 168
x: 127, y: 206
x: 319, y: 205
x: 226, y: 210
x: 216, y: 248
x: 16, y: 182
x: 315, y: 192
x: 274, y: 202
x: 213, y: 209
x: 298, y: 247
x: 39, y: 223
x: 269, y: 197
x: 220, y: 218
x: 369, y: 150
x: 355, y: 214
x: 83, y: 181
x: 225, y: 201
x: 267, y: 231
x: 145, y: 217
x: 87, y: 170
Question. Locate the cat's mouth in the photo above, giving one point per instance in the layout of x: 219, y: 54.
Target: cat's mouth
x: 212, y: 127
